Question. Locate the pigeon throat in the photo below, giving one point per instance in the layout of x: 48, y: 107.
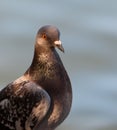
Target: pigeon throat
x: 43, y: 65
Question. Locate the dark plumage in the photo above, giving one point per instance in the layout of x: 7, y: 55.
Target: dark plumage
x: 41, y: 98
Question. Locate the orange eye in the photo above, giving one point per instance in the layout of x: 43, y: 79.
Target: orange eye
x: 44, y: 36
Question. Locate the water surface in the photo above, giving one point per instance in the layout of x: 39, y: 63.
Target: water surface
x: 89, y: 36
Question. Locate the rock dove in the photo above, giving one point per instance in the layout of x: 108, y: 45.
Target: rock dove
x: 40, y: 99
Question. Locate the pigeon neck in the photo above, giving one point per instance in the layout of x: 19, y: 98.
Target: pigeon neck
x: 44, y: 61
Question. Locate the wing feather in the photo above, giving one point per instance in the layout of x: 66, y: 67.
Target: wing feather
x: 23, y: 105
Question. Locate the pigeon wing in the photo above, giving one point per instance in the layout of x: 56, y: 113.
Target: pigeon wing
x: 23, y: 105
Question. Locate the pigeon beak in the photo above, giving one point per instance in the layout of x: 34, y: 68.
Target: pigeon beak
x: 58, y: 44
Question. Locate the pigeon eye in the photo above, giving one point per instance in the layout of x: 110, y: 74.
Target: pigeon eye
x: 44, y: 36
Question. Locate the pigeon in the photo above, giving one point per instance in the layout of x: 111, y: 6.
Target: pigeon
x: 41, y: 98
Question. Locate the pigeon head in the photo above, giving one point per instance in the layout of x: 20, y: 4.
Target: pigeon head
x: 48, y: 37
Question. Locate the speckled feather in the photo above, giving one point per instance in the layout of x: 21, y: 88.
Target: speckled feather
x: 41, y: 98
x: 20, y: 103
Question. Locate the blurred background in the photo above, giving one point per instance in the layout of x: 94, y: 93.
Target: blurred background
x: 89, y: 36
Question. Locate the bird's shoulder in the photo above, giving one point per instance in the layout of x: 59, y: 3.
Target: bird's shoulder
x: 21, y: 100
